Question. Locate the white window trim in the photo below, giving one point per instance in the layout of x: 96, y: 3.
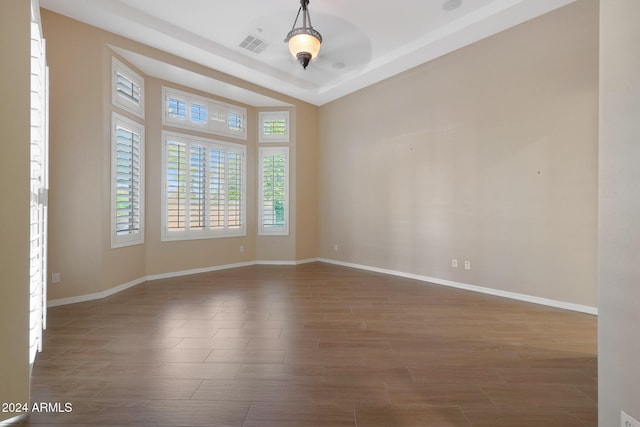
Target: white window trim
x: 212, y: 105
x: 118, y: 100
x: 131, y: 239
x: 167, y: 235
x: 273, y: 115
x: 272, y: 231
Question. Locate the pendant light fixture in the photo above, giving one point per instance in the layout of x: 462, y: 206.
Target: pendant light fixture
x: 304, y: 42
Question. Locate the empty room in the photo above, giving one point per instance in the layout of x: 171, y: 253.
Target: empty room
x: 320, y: 213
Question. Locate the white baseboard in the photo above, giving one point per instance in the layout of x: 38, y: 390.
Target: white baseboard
x: 307, y: 261
x: 98, y: 295
x: 298, y: 262
x: 120, y: 288
x: 276, y: 263
x: 198, y: 271
x: 496, y: 292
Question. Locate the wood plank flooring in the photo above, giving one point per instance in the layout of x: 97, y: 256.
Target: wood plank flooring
x: 314, y: 345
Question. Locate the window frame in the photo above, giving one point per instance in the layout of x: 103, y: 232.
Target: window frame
x: 118, y: 100
x: 264, y: 116
x: 132, y: 238
x: 264, y: 230
x: 206, y: 233
x: 212, y: 126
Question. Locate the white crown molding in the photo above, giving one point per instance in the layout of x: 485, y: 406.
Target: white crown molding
x: 359, y: 39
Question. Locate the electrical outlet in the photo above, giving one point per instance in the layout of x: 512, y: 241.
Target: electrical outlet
x: 55, y: 278
x: 627, y: 421
x: 241, y: 249
x: 335, y: 247
x: 467, y: 265
x: 454, y: 263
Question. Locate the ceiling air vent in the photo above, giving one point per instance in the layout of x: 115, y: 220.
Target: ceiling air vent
x: 254, y: 44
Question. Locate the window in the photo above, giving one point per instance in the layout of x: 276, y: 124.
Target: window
x: 128, y: 88
x: 274, y: 126
x: 274, y: 190
x: 273, y: 174
x: 188, y: 111
x: 39, y: 185
x: 177, y: 109
x: 199, y: 113
x: 127, y: 182
x: 204, y: 188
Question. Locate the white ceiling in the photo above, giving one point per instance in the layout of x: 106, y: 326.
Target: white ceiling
x: 363, y: 41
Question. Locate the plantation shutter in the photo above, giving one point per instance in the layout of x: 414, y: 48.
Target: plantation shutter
x: 127, y: 89
x: 234, y: 121
x: 204, y: 188
x: 190, y: 111
x: 177, y: 108
x: 198, y: 113
x: 217, y: 188
x: 235, y: 189
x: 39, y: 184
x: 128, y: 181
x: 274, y: 191
x: 176, y: 186
x: 197, y: 187
x: 274, y: 126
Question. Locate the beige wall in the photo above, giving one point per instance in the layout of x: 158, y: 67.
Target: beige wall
x: 619, y: 235
x: 306, y: 184
x: 77, y: 215
x: 488, y: 154
x: 15, y: 36
x: 80, y: 64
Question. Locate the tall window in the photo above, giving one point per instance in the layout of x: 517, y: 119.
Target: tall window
x: 274, y: 190
x: 204, y: 188
x: 127, y: 88
x: 127, y: 182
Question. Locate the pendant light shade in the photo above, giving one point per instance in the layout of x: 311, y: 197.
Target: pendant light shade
x: 304, y: 42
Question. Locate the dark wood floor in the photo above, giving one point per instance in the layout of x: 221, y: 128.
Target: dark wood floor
x: 314, y: 345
